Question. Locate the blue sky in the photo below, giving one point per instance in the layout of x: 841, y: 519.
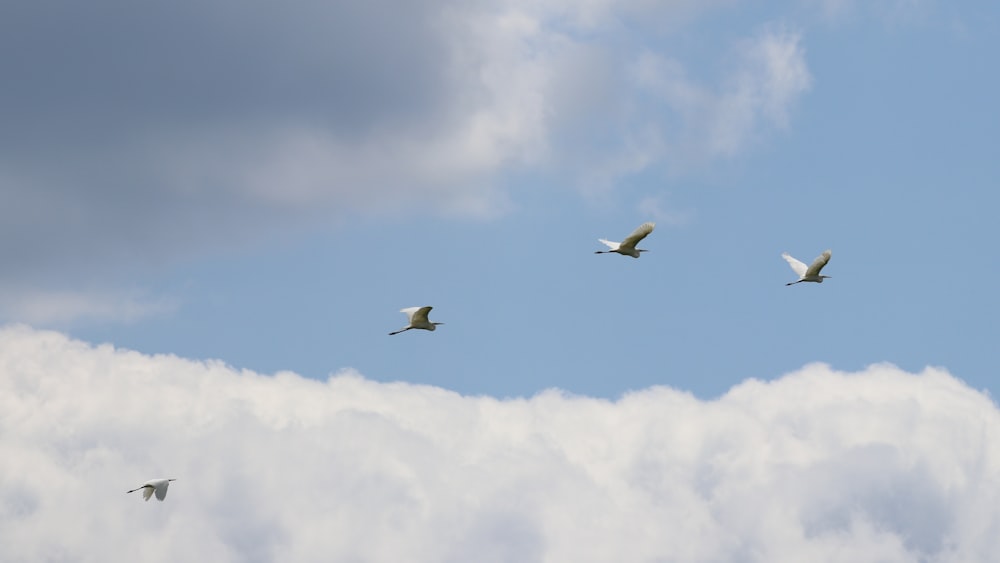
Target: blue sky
x: 271, y: 194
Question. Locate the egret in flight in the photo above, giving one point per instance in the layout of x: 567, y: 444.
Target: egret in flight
x: 418, y: 319
x: 810, y: 274
x: 159, y: 486
x: 627, y: 246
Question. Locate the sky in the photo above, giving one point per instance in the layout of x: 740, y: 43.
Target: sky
x: 268, y: 186
x: 250, y: 192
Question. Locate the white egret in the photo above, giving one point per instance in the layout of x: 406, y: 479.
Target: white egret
x: 810, y: 274
x: 627, y: 246
x: 159, y: 486
x: 418, y: 319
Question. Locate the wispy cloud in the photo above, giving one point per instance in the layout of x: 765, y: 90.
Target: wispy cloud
x: 659, y: 208
x: 772, y: 76
x: 818, y: 465
x: 769, y: 76
x: 63, y: 307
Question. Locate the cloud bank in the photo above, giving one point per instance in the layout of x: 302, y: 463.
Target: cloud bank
x: 818, y: 465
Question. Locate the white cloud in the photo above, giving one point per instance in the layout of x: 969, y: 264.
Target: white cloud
x: 61, y: 307
x: 768, y: 77
x: 819, y: 465
x: 772, y: 76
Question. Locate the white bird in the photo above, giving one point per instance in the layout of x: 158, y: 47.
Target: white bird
x: 157, y: 485
x: 418, y: 319
x: 627, y: 246
x: 810, y: 274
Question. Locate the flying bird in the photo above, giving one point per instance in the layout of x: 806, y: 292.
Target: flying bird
x: 418, y: 319
x: 627, y: 246
x: 810, y: 274
x: 154, y: 485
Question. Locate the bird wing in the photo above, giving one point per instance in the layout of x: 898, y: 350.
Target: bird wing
x: 818, y: 264
x: 797, y: 266
x: 609, y: 243
x: 410, y: 311
x: 638, y: 234
x: 420, y: 315
x: 147, y: 491
x: 161, y: 490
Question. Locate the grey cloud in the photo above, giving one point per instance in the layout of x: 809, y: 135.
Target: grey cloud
x: 112, y: 109
x: 137, y: 135
x: 97, y: 70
